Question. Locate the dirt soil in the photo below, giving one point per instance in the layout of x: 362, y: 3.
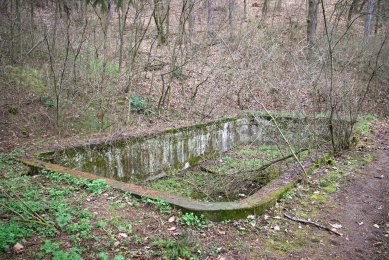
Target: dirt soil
x: 363, y: 204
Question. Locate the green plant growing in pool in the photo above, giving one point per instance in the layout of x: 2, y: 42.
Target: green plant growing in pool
x: 269, y: 151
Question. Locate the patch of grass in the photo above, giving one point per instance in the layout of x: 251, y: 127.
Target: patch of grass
x: 331, y: 188
x: 321, y: 197
x: 138, y: 239
x: 96, y: 187
x: 99, y: 66
x: 117, y: 205
x: 269, y: 151
x: 89, y: 122
x: 162, y: 205
x: 171, y: 249
x: 335, y: 176
x: 171, y: 185
x: 126, y: 228
x: 368, y: 158
x: 101, y: 224
x: 279, y: 246
x: 26, y: 77
x: 324, y: 182
x: 362, y: 127
x: 247, y: 153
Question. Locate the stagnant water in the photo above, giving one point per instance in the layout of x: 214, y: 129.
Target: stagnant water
x: 135, y: 159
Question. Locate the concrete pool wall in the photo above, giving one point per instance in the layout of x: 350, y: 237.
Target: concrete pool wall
x: 137, y: 158
x: 119, y: 161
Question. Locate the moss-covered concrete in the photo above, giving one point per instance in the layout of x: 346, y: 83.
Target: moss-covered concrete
x: 136, y: 158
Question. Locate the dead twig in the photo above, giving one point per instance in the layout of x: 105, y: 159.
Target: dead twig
x: 265, y: 166
x: 308, y: 222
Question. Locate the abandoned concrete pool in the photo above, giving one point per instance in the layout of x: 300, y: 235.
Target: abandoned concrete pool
x: 131, y: 163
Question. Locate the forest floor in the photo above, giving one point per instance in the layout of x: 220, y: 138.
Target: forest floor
x: 53, y: 215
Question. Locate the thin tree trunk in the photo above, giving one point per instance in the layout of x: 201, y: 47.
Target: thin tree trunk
x: 122, y: 13
x: 19, y: 23
x: 368, y: 20
x: 377, y: 15
x: 32, y: 22
x: 279, y: 5
x: 312, y: 21
x: 245, y: 10
x: 265, y: 7
x: 191, y: 19
x: 351, y: 11
x: 209, y: 17
x: 230, y: 17
x: 161, y: 18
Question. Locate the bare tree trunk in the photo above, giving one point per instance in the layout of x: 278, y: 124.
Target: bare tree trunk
x: 12, y: 32
x: 123, y: 14
x: 209, y: 17
x: 377, y: 15
x: 352, y: 9
x: 369, y: 18
x: 312, y: 21
x: 245, y: 10
x: 265, y: 7
x: 58, y: 76
x: 78, y: 50
x: 32, y: 23
x: 191, y: 19
x: 161, y: 18
x: 231, y: 4
x: 279, y: 5
x: 362, y: 5
x: 19, y: 24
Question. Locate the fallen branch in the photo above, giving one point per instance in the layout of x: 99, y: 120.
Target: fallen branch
x: 265, y: 166
x: 308, y: 222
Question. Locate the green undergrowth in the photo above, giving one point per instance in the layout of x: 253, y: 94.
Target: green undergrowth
x: 60, y: 214
x: 46, y: 205
x: 237, y: 173
x: 49, y: 207
x: 362, y: 127
x: 25, y: 77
